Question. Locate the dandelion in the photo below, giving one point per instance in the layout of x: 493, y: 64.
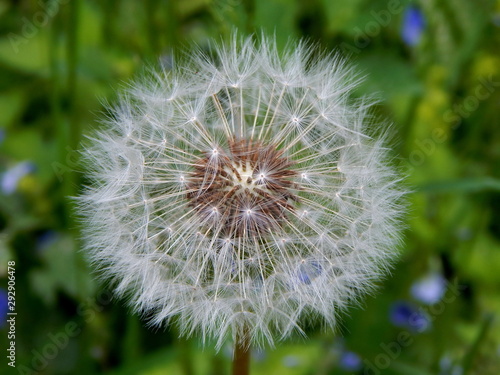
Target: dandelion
x: 242, y: 194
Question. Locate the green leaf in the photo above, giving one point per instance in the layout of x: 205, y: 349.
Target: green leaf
x: 63, y: 270
x: 407, y: 369
x: 277, y: 16
x: 26, y: 51
x: 398, y: 88
x: 11, y: 103
x: 341, y: 14
x: 466, y: 185
x: 468, y: 361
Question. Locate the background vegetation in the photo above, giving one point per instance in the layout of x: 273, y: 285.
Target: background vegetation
x: 435, y: 66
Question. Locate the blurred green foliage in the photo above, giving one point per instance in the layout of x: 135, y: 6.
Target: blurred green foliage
x: 61, y: 60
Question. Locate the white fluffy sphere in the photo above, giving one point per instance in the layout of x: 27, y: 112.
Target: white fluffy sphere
x: 242, y: 194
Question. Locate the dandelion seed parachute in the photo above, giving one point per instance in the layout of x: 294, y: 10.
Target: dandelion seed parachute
x: 242, y: 194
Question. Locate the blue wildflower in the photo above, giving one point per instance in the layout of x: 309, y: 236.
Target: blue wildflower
x: 413, y: 26
x: 291, y: 361
x: 429, y: 289
x: 496, y: 20
x: 447, y: 367
x: 350, y: 361
x: 406, y: 315
x: 11, y: 177
x: 259, y: 355
x: 46, y: 239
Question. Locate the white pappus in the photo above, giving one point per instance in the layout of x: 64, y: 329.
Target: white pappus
x: 243, y: 193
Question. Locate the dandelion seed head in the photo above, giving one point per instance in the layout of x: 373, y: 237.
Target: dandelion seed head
x: 242, y: 194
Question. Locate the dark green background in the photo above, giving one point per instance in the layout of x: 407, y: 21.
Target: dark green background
x: 60, y: 61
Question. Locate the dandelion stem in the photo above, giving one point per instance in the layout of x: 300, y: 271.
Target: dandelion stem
x: 241, y: 357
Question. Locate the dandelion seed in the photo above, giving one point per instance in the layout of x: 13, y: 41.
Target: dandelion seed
x: 254, y: 223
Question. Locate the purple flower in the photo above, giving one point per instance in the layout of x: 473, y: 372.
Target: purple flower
x: 447, y: 367
x: 259, y: 355
x: 4, y: 308
x: 291, y: 361
x: 406, y: 315
x: 46, y: 239
x: 11, y: 177
x: 413, y: 26
x: 496, y: 19
x: 429, y: 289
x: 350, y: 361
x: 400, y: 313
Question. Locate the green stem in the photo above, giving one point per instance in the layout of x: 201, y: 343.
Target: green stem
x: 468, y: 360
x: 72, y: 56
x: 241, y: 357
x: 55, y: 93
